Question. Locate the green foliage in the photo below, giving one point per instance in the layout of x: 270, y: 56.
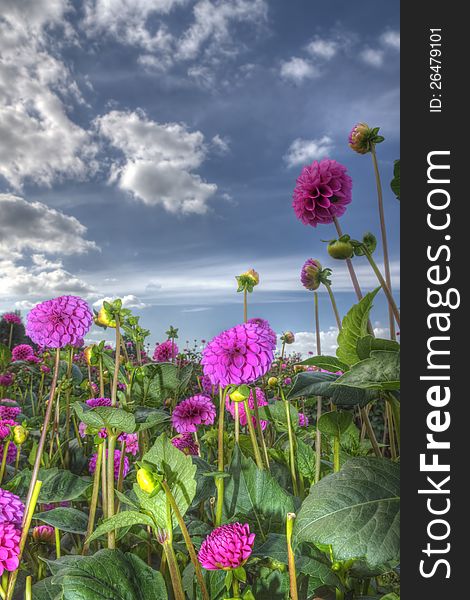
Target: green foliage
x: 395, y: 183
x: 127, y: 518
x: 368, y: 343
x: 65, y: 518
x: 335, y: 423
x: 329, y: 363
x: 58, y: 485
x: 108, y: 417
x: 314, y: 383
x: 379, y: 372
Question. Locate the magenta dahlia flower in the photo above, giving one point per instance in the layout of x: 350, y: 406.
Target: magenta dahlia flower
x: 11, y: 454
x: 22, y: 352
x: 11, y: 507
x: 322, y: 192
x: 131, y: 441
x: 238, y: 355
x: 165, y: 352
x: 59, y: 322
x: 5, y: 427
x: 12, y: 318
x: 192, y: 412
x: 206, y: 385
x: 9, y: 409
x: 9, y: 547
x: 263, y: 323
x: 6, y: 379
x: 94, y: 402
x: 303, y: 420
x: 186, y: 444
x: 227, y: 547
x: 310, y: 274
x: 260, y: 399
x: 117, y: 461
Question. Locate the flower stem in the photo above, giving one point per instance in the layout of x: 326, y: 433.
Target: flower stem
x: 42, y: 439
x: 237, y: 422
x: 383, y: 231
x: 104, y: 484
x: 291, y: 445
x: 219, y: 482
x: 94, y: 500
x: 254, y: 442
x: 236, y: 588
x: 290, y: 557
x: 319, y: 398
x: 383, y: 283
x: 336, y: 448
x: 352, y: 272
x: 6, y: 445
x: 245, y: 306
x: 260, y: 429
x: 370, y: 432
x: 117, y: 358
x: 27, y: 518
x: 187, y: 539
x: 175, y: 574
x: 334, y: 305
x: 28, y: 593
x: 110, y: 477
x: 10, y: 337
x: 101, y: 377
x: 57, y: 542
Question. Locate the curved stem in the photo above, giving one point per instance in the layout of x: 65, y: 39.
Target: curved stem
x: 291, y: 557
x: 383, y: 283
x: 251, y: 430
x: 94, y: 500
x: 383, y: 231
x: 219, y: 482
x: 333, y: 305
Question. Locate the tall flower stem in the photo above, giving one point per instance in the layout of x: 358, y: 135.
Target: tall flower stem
x: 28, y: 593
x: 117, y: 360
x: 291, y: 557
x: 10, y: 337
x: 336, y: 454
x: 219, y: 482
x: 383, y: 231
x: 236, y: 409
x: 104, y: 484
x: 370, y: 432
x: 291, y: 444
x: 187, y: 539
x: 174, y: 571
x: 110, y: 478
x: 251, y: 430
x: 333, y: 305
x: 42, y: 439
x: 245, y: 305
x: 101, y: 377
x: 57, y: 542
x: 94, y: 500
x: 319, y: 398
x: 352, y: 272
x: 27, y: 518
x: 383, y: 283
x: 260, y: 429
x: 6, y: 445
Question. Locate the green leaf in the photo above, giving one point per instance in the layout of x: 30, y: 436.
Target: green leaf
x: 179, y: 472
x: 276, y: 413
x: 354, y: 327
x: 356, y: 511
x: 158, y: 382
x: 105, y: 416
x: 329, y: 363
x: 5, y: 355
x: 111, y: 575
x: 58, y: 485
x: 305, y: 456
x: 321, y: 384
x: 45, y: 590
x: 395, y: 183
x: 65, y: 519
x: 146, y: 418
x: 127, y: 518
x: 379, y: 372
x: 255, y: 494
x: 368, y: 343
x: 335, y: 423
x: 271, y: 585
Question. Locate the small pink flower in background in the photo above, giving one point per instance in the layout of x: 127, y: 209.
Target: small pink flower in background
x: 44, y: 533
x: 94, y: 402
x: 186, y: 444
x: 59, y: 322
x: 11, y: 507
x: 9, y: 409
x: 303, y: 420
x: 82, y: 429
x: 261, y: 400
x: 9, y: 547
x: 165, y: 352
x: 131, y: 442
x: 11, y: 318
x: 11, y: 454
x: 227, y: 547
x: 239, y: 355
x: 5, y: 427
x: 6, y: 379
x: 192, y: 412
x: 287, y: 381
x: 206, y: 385
x: 310, y: 274
x: 117, y: 461
x: 22, y: 352
x: 322, y: 192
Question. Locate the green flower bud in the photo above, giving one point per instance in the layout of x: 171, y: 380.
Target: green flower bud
x: 20, y: 435
x: 147, y: 481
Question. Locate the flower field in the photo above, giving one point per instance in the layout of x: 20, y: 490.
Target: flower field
x: 234, y: 469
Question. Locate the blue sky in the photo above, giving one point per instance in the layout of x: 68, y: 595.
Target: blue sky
x: 149, y: 149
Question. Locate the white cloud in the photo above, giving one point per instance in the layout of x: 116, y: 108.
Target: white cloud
x: 391, y: 39
x: 372, y: 57
x: 128, y: 301
x: 298, y: 70
x: 158, y: 160
x: 38, y: 140
x: 221, y: 144
x: 322, y: 48
x: 302, y: 151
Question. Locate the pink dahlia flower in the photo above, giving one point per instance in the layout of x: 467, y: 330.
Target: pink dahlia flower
x: 94, y: 402
x: 192, y: 412
x: 5, y: 427
x: 11, y: 454
x: 165, y: 352
x: 238, y: 355
x: 322, y: 192
x: 6, y: 379
x: 9, y: 547
x: 261, y: 400
x: 44, y: 533
x: 227, y: 547
x: 310, y: 274
x: 206, y: 385
x: 303, y: 420
x: 131, y: 442
x: 12, y: 318
x: 263, y: 323
x: 59, y: 322
x: 9, y: 409
x: 117, y: 461
x: 186, y: 444
x: 11, y: 507
x: 22, y: 352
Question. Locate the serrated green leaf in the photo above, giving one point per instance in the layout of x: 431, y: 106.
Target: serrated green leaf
x: 108, y: 417
x: 127, y: 518
x: 354, y: 327
x: 321, y: 384
x: 335, y: 423
x: 329, y: 363
x: 379, y: 372
x: 65, y: 518
x: 368, y: 343
x: 356, y: 511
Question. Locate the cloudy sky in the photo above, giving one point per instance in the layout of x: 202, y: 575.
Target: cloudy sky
x: 149, y: 149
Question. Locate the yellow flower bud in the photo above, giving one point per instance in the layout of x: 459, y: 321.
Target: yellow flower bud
x: 104, y: 319
x: 240, y: 394
x: 87, y: 353
x: 20, y: 435
x: 147, y: 481
x: 272, y: 381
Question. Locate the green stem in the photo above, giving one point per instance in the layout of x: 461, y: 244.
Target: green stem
x: 383, y: 283
x: 94, y: 500
x: 336, y: 447
x: 6, y: 445
x: 219, y: 482
x: 101, y: 377
x: 245, y: 306
x: 117, y: 357
x: 333, y: 304
x: 370, y: 433
x: 291, y: 445
x: 383, y: 231
x: 57, y: 542
x: 174, y: 571
x: 236, y: 588
x: 260, y: 429
x: 28, y: 593
x: 319, y: 398
x: 291, y: 557
x: 395, y: 408
x: 110, y: 478
x: 254, y: 442
x: 187, y: 539
x: 10, y: 337
x: 104, y: 484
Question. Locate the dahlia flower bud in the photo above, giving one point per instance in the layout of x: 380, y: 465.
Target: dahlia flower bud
x: 341, y: 249
x: 104, y: 318
x: 310, y: 274
x: 288, y: 337
x: 20, y: 435
x: 11, y: 318
x: 272, y: 381
x: 240, y: 394
x: 87, y: 352
x: 147, y: 481
x: 362, y: 138
x: 247, y: 281
x: 44, y: 533
x: 186, y: 444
